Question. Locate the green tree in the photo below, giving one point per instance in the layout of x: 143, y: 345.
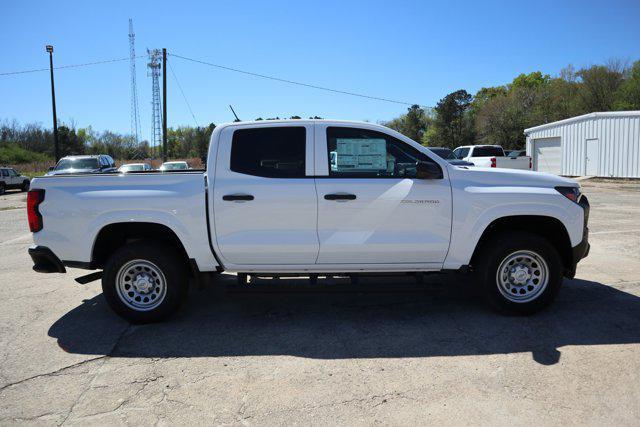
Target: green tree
x: 69, y: 142
x: 627, y: 97
x: 453, y: 124
x: 599, y: 84
x: 532, y: 80
x: 413, y: 124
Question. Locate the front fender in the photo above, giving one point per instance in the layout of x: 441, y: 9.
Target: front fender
x: 475, y: 208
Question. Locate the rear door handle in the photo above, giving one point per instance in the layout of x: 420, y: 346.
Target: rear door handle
x: 237, y: 197
x: 340, y: 196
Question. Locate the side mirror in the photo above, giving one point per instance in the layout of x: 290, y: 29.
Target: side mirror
x: 428, y: 170
x: 51, y: 168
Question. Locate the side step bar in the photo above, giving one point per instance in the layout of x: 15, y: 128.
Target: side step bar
x: 92, y: 277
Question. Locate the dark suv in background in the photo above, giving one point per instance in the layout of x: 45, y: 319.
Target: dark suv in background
x: 99, y: 163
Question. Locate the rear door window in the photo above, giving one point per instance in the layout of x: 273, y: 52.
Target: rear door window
x: 271, y: 152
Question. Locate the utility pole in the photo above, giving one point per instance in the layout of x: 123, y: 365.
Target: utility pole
x: 164, y: 104
x: 56, y: 149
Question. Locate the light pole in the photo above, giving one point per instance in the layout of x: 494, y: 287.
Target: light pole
x: 164, y: 105
x: 56, y: 151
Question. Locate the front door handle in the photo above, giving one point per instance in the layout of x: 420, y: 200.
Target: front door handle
x: 237, y: 197
x: 340, y: 196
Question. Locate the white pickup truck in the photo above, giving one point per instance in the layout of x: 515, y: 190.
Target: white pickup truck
x: 310, y: 197
x: 491, y: 156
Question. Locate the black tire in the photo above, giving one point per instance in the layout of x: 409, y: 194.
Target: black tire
x: 172, y: 269
x: 499, y: 249
x: 2, y: 188
x: 25, y: 186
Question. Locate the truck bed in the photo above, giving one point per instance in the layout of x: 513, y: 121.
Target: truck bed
x: 77, y: 207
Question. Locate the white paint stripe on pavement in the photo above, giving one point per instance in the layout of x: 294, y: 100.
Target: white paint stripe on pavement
x: 17, y: 239
x: 591, y: 233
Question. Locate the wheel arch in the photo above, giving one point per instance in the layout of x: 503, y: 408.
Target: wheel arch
x: 114, y: 235
x: 550, y: 228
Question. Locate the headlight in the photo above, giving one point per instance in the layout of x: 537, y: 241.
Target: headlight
x: 571, y: 193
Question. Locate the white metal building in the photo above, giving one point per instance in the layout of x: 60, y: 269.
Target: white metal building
x: 595, y: 144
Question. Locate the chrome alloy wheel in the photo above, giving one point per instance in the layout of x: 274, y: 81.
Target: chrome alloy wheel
x: 141, y: 285
x: 522, y: 276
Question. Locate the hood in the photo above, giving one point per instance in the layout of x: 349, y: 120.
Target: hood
x: 510, y: 177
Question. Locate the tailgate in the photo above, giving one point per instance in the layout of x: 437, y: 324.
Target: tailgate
x: 523, y: 163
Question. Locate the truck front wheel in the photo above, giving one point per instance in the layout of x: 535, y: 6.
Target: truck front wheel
x: 521, y: 272
x: 145, y: 282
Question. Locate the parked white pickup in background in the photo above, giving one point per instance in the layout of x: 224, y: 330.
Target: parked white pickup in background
x: 491, y: 156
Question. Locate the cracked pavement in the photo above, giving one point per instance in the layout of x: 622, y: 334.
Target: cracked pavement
x: 386, y: 351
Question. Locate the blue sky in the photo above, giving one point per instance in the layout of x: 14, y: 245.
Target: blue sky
x: 410, y: 51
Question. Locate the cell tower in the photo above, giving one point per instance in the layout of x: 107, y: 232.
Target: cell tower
x: 155, y: 56
x: 135, y: 112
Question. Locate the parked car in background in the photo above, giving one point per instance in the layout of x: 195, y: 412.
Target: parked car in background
x: 100, y: 163
x: 491, y: 156
x: 135, y: 167
x: 174, y: 166
x: 447, y: 154
x: 10, y: 178
x: 517, y: 153
x: 387, y: 204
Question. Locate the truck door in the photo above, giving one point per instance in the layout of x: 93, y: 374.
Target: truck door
x: 371, y: 207
x: 265, y: 204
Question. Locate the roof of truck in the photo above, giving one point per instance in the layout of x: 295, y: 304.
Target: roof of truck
x: 297, y: 121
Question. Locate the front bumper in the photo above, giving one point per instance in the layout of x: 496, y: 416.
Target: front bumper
x: 581, y: 250
x: 45, y: 261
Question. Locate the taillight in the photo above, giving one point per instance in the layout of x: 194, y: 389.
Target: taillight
x: 34, y: 198
x: 493, y: 162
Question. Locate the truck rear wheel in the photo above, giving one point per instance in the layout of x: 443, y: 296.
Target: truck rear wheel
x: 145, y: 282
x: 521, y: 272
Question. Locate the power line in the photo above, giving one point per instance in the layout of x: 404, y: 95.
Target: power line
x: 183, y: 95
x: 278, y: 79
x: 107, y: 61
x: 223, y: 67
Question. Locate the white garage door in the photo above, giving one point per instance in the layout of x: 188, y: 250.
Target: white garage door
x: 547, y: 155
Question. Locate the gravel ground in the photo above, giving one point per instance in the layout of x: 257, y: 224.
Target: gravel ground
x: 384, y: 351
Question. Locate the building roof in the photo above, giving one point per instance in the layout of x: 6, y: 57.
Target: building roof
x: 583, y: 117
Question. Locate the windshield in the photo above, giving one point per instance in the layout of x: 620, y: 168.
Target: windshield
x: 488, y: 152
x: 444, y: 153
x: 86, y: 163
x: 128, y: 168
x: 173, y: 166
